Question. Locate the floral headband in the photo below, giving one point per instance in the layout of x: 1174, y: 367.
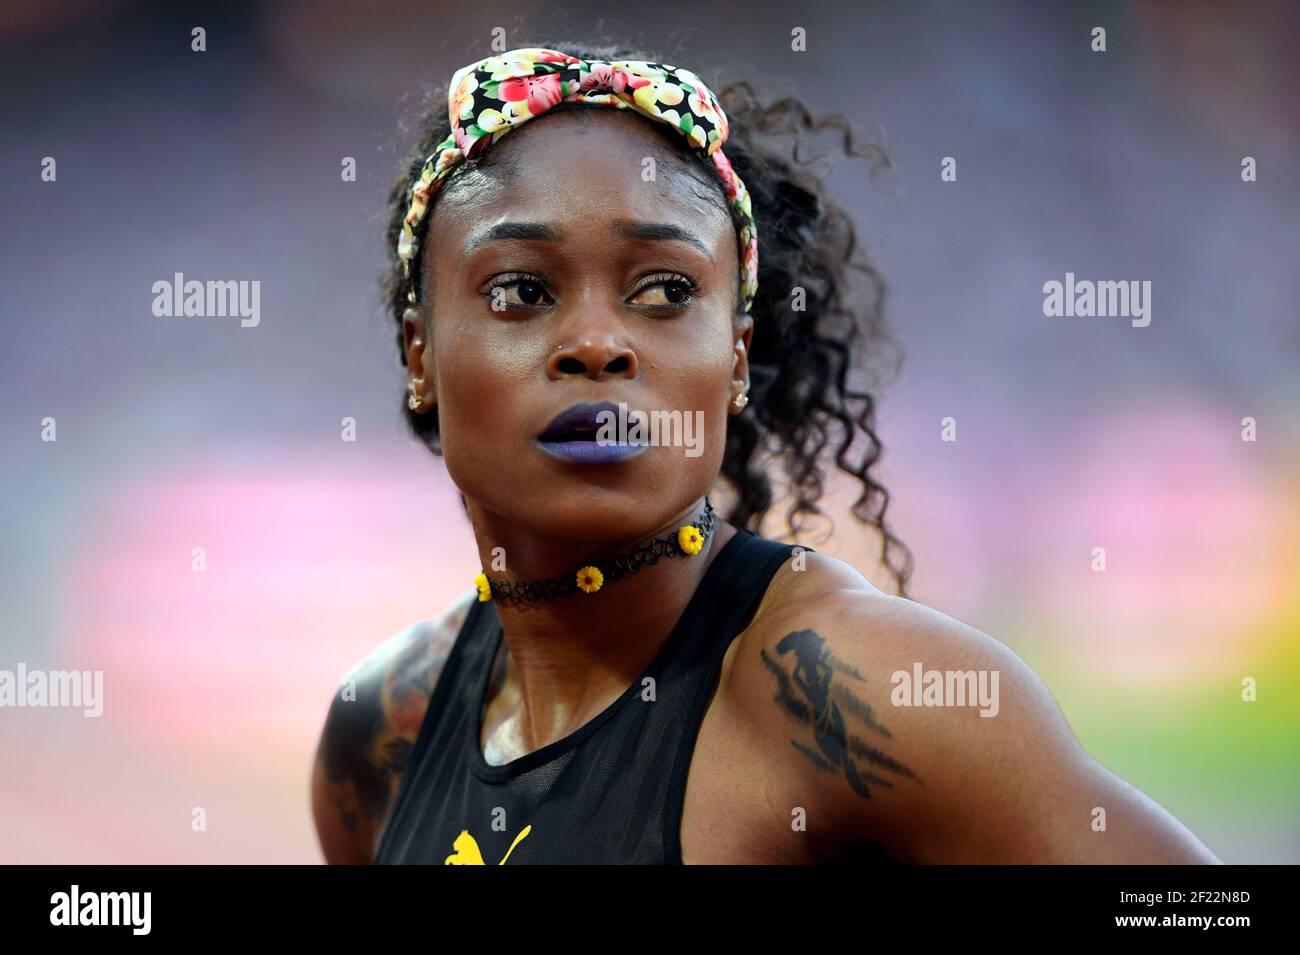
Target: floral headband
x: 489, y: 98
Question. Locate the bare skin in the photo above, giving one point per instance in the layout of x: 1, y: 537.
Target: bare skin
x: 800, y: 725
x: 952, y: 787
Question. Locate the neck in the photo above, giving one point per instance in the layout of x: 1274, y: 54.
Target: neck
x: 569, y: 658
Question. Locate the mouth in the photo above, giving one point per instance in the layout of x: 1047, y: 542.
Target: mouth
x: 573, y: 435
x: 578, y: 422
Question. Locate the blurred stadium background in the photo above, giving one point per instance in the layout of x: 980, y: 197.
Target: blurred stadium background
x: 1073, y: 433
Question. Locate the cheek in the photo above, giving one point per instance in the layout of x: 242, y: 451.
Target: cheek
x: 694, y: 379
x: 477, y: 376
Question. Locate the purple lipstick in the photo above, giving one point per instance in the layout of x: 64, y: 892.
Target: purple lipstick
x: 571, y: 436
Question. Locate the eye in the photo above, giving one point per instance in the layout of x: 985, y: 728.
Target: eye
x: 668, y: 291
x: 517, y: 290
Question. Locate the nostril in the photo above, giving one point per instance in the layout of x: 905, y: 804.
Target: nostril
x: 618, y: 364
x: 572, y: 365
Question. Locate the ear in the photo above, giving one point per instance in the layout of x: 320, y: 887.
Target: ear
x: 742, y: 330
x: 419, y: 355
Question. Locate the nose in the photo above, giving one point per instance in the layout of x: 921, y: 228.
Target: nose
x: 595, y: 354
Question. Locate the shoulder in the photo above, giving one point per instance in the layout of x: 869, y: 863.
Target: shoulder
x: 372, y: 723
x: 895, y: 727
x: 852, y: 618
x: 890, y: 721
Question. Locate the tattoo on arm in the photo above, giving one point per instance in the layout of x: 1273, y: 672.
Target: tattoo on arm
x: 803, y: 667
x: 367, y: 748
x: 357, y: 784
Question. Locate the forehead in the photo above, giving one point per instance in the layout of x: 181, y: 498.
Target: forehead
x: 584, y: 171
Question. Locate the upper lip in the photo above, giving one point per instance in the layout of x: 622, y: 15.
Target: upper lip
x: 577, y: 417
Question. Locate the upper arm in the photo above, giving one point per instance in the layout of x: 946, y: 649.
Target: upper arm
x: 345, y: 831
x: 829, y: 681
x: 373, y: 721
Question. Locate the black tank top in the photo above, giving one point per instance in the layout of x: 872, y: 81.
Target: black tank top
x: 609, y: 792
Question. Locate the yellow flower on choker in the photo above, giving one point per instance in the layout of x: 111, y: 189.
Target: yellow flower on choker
x: 689, y: 539
x: 590, y: 578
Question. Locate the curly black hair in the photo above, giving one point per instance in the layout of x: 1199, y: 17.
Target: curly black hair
x: 801, y: 399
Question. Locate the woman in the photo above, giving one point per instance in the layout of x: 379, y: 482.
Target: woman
x: 634, y: 678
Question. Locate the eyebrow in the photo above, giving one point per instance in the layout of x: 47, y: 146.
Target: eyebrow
x: 545, y: 232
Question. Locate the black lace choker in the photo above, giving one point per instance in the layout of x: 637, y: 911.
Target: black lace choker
x: 687, y: 541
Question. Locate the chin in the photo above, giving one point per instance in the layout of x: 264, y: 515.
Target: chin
x: 588, y: 510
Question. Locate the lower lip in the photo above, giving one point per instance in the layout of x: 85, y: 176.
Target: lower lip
x: 589, y: 452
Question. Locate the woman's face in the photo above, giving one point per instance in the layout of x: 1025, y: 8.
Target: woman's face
x: 606, y: 287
